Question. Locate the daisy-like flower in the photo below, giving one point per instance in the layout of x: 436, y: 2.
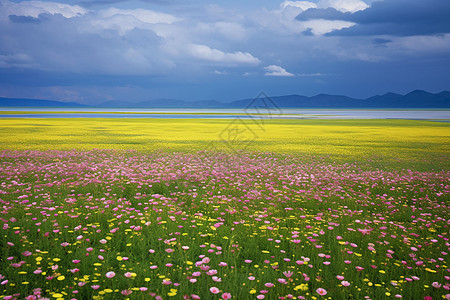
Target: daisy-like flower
x: 110, y: 274
x: 214, y: 290
x: 288, y: 274
x: 345, y: 283
x: 226, y: 296
x: 321, y: 291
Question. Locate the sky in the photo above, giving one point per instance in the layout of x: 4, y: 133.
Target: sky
x: 92, y: 51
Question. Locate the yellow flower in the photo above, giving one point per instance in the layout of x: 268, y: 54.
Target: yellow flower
x: 302, y: 287
x: 61, y: 277
x: 252, y: 291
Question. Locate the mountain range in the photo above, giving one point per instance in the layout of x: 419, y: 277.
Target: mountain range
x: 414, y: 99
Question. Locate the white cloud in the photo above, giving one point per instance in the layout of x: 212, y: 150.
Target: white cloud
x: 143, y: 15
x: 320, y: 26
x: 283, y: 20
x: 204, y: 52
x: 125, y: 20
x: 303, y: 5
x: 35, y: 8
x: 344, y: 5
x: 217, y: 72
x: 274, y: 70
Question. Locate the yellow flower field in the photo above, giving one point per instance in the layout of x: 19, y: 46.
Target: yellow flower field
x: 397, y: 139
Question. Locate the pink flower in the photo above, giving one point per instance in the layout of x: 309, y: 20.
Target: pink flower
x: 95, y: 287
x: 321, y: 291
x: 226, y: 296
x: 345, y: 283
x: 269, y: 284
x: 126, y: 292
x: 206, y: 260
x: 339, y: 277
x: 248, y: 261
x: 260, y: 297
x: 211, y: 272
x: 251, y: 278
x: 436, y: 284
x: 214, y: 290
x: 282, y: 280
x: 110, y: 274
x: 288, y: 274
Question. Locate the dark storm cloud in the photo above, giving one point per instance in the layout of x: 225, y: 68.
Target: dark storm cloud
x: 394, y: 17
x: 58, y: 45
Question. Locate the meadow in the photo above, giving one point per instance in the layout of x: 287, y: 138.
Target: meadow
x: 220, y: 209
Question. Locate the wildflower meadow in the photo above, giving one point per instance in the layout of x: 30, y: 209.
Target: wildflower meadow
x: 118, y: 224
x: 155, y: 209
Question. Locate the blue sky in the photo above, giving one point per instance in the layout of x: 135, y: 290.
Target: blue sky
x: 94, y: 51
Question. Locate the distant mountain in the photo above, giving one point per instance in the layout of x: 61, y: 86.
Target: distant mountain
x: 19, y: 102
x: 414, y: 99
x: 165, y: 103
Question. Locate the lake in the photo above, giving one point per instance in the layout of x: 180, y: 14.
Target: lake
x: 9, y: 112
